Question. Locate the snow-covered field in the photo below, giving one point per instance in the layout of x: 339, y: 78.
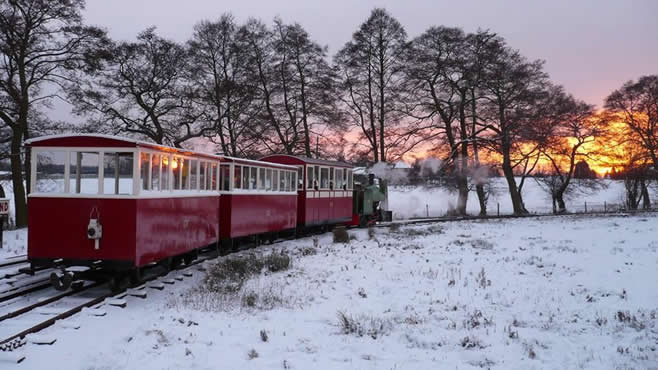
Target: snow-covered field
x: 553, y: 292
x: 411, y: 201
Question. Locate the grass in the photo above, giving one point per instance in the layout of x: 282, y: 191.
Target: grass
x: 363, y: 325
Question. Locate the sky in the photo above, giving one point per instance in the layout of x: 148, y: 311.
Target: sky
x: 590, y: 47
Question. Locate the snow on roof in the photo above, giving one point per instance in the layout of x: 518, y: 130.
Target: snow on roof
x: 359, y: 170
x: 401, y: 164
x: 101, y: 136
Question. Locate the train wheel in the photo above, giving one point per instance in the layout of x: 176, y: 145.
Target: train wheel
x: 135, y: 276
x: 77, y: 285
x: 61, y: 282
x: 176, y: 262
x: 119, y: 282
x: 188, y: 259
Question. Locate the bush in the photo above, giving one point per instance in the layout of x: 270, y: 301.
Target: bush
x: 309, y: 251
x: 252, y: 354
x: 229, y: 274
x: 341, y: 235
x: 363, y: 325
x: 276, y: 262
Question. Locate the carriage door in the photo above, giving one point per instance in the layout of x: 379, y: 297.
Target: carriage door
x: 332, y: 193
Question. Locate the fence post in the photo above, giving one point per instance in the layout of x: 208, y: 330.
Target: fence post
x: 605, y: 207
x: 427, y: 210
x: 498, y: 209
x: 585, y: 207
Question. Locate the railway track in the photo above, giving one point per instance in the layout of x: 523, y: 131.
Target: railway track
x: 93, y: 296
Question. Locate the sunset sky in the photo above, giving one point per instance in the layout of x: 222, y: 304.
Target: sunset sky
x: 591, y: 47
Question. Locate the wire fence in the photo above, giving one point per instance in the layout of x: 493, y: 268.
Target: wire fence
x: 572, y: 209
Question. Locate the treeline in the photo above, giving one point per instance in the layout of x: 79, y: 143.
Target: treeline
x: 254, y: 88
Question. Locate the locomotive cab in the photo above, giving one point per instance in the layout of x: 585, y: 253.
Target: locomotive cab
x: 369, y: 202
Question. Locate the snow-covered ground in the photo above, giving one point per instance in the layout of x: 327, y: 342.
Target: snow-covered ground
x: 553, y: 292
x: 412, y: 201
x: 14, y: 243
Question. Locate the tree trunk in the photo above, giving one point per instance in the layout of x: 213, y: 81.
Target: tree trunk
x: 479, y: 188
x: 517, y: 202
x: 20, y: 203
x: 646, y: 201
x: 562, y: 208
x: 462, y: 185
x: 462, y: 174
x: 482, y: 199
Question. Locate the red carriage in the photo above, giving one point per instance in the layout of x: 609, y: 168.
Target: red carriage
x: 118, y: 204
x: 324, y: 190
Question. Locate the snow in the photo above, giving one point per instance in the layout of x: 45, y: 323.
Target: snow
x: 550, y: 292
x: 411, y: 201
x: 14, y: 244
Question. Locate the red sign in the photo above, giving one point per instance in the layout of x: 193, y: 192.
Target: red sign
x: 4, y: 206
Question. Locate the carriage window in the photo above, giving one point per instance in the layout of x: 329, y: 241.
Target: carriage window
x: 261, y: 179
x: 225, y: 176
x: 345, y: 183
x: 316, y: 177
x: 293, y: 181
x: 202, y: 175
x: 164, y: 174
x: 289, y: 183
x: 194, y: 174
x: 50, y: 172
x: 176, y: 170
x: 350, y: 185
x: 252, y: 177
x: 331, y: 178
x: 237, y: 177
x: 145, y: 166
x: 309, y: 177
x: 275, y: 180
x: 245, y: 177
x: 339, y: 178
x: 185, y: 174
x: 268, y: 179
x: 155, y: 172
x: 282, y: 180
x: 117, y: 173
x: 324, y: 178
x: 84, y: 172
x: 300, y: 176
x: 212, y: 179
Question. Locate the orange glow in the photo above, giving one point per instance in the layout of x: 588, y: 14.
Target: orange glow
x: 174, y: 164
x: 602, y: 154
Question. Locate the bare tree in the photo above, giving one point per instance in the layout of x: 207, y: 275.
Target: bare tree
x: 570, y: 127
x: 370, y: 69
x: 143, y: 91
x: 636, y: 104
x: 225, y: 87
x: 514, y: 88
x: 43, y: 46
x: 440, y: 83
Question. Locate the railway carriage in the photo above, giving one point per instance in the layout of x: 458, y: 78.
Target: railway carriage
x: 116, y: 205
x: 259, y: 200
x: 324, y: 190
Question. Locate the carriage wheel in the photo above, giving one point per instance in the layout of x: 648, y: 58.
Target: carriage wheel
x: 135, y: 276
x: 119, y: 282
x: 62, y: 282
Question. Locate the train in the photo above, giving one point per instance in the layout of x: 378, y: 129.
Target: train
x: 108, y: 207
